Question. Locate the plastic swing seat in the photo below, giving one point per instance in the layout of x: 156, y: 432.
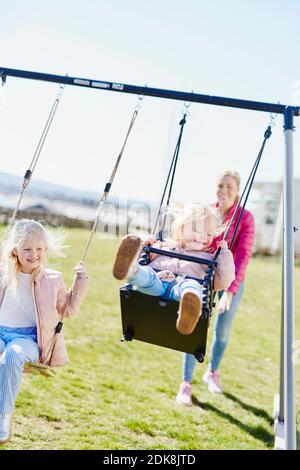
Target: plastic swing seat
x: 153, y: 319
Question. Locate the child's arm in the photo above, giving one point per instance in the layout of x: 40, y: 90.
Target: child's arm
x: 68, y: 302
x: 166, y: 275
x: 225, y: 271
x: 156, y: 244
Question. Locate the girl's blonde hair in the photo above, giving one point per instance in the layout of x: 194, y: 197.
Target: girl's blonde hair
x: 195, y: 214
x: 16, y: 236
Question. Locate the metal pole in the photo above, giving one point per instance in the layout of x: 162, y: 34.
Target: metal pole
x: 288, y: 291
x: 279, y: 400
x: 282, y: 334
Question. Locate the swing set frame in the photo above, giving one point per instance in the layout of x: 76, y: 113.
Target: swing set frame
x: 285, y: 406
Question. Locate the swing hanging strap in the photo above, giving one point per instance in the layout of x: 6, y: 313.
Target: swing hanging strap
x: 246, y: 192
x: 103, y: 198
x: 110, y: 182
x: 45, y: 368
x: 249, y: 184
x: 169, y: 181
x: 37, y: 152
x: 245, y: 195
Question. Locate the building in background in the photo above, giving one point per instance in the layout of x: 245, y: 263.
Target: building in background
x: 266, y: 204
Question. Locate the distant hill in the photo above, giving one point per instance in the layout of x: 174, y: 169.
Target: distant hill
x: 11, y: 184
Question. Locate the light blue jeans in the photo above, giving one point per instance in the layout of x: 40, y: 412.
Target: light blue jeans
x: 147, y: 281
x: 17, y: 346
x: 222, y: 329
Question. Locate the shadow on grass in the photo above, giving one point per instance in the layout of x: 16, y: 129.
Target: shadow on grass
x: 256, y: 411
x: 258, y: 432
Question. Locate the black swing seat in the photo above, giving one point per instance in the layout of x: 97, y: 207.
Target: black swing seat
x: 153, y: 319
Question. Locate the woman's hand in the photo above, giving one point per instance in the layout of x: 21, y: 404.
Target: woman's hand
x: 166, y: 275
x: 225, y: 302
x: 80, y: 269
x: 222, y: 244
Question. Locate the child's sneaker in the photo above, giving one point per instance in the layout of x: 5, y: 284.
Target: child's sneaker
x: 127, y: 254
x: 189, y: 312
x: 184, y: 396
x: 213, y: 381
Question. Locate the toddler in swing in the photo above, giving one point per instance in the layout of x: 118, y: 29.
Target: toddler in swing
x: 31, y: 298
x: 193, y: 231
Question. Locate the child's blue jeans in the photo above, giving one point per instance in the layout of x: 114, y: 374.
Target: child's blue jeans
x: 147, y: 281
x: 222, y: 328
x: 17, y: 346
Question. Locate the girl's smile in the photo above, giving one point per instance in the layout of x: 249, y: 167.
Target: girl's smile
x: 31, y: 254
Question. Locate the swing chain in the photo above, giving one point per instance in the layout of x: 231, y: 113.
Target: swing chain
x: 273, y: 117
x: 61, y: 89
x: 139, y: 102
x: 3, y: 78
x: 30, y: 170
x: 187, y: 104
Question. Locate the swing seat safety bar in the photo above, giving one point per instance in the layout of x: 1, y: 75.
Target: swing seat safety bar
x: 175, y: 254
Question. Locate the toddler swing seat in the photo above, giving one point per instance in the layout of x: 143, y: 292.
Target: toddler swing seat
x: 153, y: 319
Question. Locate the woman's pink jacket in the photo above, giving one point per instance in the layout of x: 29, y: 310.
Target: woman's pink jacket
x: 242, y: 245
x: 52, y: 300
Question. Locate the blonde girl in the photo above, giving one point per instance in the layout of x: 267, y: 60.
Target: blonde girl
x: 31, y: 298
x: 193, y: 231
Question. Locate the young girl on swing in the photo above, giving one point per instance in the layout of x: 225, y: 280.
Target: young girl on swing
x: 31, y: 298
x: 193, y: 231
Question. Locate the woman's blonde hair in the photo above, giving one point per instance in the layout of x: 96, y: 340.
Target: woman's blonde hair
x: 195, y: 214
x: 233, y: 174
x: 16, y: 236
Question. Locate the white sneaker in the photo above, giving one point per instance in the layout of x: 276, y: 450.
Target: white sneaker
x: 184, y: 396
x: 213, y: 381
x: 5, y: 427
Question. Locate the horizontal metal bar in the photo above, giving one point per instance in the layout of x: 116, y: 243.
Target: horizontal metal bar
x: 175, y: 254
x: 147, y: 91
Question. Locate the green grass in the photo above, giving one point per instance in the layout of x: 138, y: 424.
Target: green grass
x: 115, y: 395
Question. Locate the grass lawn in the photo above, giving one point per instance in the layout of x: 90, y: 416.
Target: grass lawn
x: 115, y: 395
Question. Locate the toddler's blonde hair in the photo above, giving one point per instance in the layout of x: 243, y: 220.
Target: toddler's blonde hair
x: 195, y: 214
x: 16, y: 236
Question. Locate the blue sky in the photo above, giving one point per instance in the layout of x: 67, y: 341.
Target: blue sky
x: 243, y: 49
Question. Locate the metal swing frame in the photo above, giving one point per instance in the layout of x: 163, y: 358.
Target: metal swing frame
x: 285, y: 418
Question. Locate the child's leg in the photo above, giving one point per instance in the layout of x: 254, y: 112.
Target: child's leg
x: 16, y: 353
x: 147, y: 281
x: 126, y: 257
x: 189, y: 293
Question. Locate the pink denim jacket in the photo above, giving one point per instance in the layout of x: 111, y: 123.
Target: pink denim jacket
x: 51, y: 299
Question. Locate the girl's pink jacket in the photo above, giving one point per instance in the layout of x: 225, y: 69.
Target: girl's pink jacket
x: 242, y: 245
x: 52, y: 299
